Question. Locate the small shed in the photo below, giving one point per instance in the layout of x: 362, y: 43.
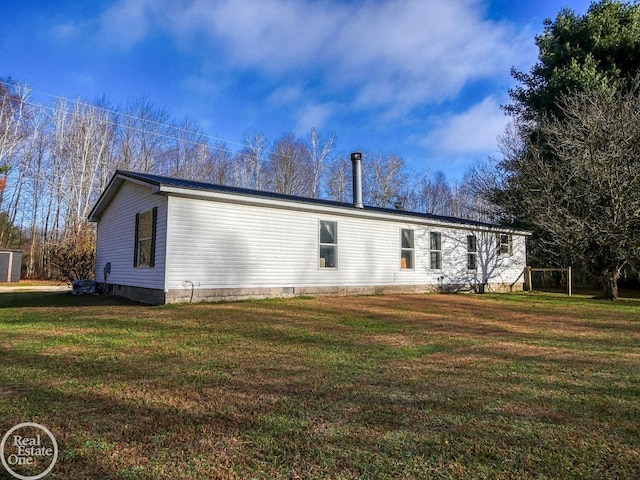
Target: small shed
x: 10, y: 265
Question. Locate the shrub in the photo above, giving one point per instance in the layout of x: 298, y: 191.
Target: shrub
x: 73, y: 257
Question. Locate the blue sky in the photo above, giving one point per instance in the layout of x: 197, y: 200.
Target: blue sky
x: 423, y: 79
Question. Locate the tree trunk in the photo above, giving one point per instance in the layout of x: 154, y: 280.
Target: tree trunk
x: 610, y: 283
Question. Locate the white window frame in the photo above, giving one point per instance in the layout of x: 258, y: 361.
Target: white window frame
x: 435, y: 251
x: 327, y: 245
x: 407, y: 252
x: 145, y: 246
x: 505, y: 247
x: 472, y: 253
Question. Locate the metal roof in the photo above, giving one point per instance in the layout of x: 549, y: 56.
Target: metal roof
x: 190, y: 185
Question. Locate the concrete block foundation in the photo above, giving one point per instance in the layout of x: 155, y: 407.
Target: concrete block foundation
x: 194, y: 295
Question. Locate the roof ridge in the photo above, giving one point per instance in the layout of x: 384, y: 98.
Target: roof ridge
x: 160, y: 180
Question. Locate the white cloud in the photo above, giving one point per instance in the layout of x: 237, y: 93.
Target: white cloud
x: 126, y: 22
x: 386, y: 55
x: 67, y: 31
x: 313, y: 115
x: 473, y: 131
x: 200, y: 85
x: 286, y: 95
x: 270, y: 35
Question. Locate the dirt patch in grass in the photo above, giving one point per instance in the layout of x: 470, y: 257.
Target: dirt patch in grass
x: 415, y: 386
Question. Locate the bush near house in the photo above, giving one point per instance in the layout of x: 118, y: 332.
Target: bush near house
x: 73, y: 257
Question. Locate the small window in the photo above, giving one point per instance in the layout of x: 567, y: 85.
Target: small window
x: 506, y: 246
x: 406, y: 250
x: 436, y: 251
x: 145, y: 244
x: 328, y: 244
x: 472, y: 252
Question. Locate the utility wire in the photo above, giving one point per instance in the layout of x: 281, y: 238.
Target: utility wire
x: 143, y: 120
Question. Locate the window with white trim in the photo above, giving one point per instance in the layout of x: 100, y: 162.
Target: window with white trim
x: 328, y: 257
x: 506, y: 244
x: 435, y: 244
x: 145, y: 238
x: 406, y: 249
x: 472, y: 252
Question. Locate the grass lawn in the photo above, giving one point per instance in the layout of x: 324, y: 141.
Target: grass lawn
x: 521, y: 386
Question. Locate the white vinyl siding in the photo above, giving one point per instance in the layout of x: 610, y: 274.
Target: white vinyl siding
x: 217, y: 244
x: 242, y: 245
x: 116, y: 238
x: 211, y: 243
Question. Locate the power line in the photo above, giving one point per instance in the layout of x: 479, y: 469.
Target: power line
x: 142, y: 120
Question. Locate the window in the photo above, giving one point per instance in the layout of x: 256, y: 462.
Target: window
x: 328, y: 244
x: 505, y: 246
x: 472, y: 252
x: 145, y: 244
x: 436, y: 251
x: 406, y: 250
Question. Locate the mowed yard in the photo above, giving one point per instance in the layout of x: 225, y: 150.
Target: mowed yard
x: 520, y: 386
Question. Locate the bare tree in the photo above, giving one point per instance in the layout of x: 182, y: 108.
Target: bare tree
x: 339, y: 183
x: 385, y: 181
x: 319, y: 150
x: 434, y: 195
x: 14, y: 129
x: 248, y: 168
x: 14, y: 116
x: 288, y: 169
x: 36, y: 154
x: 256, y: 145
x: 217, y: 164
x: 142, y: 136
x: 83, y: 144
x: 187, y: 151
x: 577, y: 181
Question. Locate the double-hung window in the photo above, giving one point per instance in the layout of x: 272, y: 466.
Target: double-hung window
x: 472, y: 252
x: 436, y: 250
x: 406, y: 249
x: 145, y: 238
x: 505, y: 246
x: 328, y: 244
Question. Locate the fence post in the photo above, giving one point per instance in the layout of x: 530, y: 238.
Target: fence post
x: 527, y: 276
x: 569, y: 280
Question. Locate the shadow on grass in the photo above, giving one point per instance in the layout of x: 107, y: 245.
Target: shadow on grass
x: 358, y: 388
x: 58, y: 299
x: 279, y: 420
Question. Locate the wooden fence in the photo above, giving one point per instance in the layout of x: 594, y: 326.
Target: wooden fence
x: 527, y: 276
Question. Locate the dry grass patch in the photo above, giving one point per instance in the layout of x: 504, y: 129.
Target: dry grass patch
x: 416, y: 386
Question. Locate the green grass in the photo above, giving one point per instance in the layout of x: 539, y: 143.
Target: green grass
x: 521, y: 386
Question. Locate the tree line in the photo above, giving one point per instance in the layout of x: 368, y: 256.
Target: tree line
x: 56, y: 159
x: 569, y: 170
x: 570, y: 165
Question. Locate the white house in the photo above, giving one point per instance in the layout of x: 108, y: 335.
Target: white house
x: 164, y: 240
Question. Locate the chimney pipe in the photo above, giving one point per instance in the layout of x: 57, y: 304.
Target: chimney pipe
x: 356, y: 164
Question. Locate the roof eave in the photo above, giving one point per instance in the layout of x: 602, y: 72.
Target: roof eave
x: 157, y: 186
x: 110, y: 191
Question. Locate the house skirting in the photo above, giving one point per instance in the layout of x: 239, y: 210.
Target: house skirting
x: 188, y: 295
x: 151, y: 296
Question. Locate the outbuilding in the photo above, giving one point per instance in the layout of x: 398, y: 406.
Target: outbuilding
x: 164, y: 240
x: 10, y: 265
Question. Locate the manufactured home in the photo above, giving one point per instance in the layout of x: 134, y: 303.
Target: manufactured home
x: 164, y: 240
